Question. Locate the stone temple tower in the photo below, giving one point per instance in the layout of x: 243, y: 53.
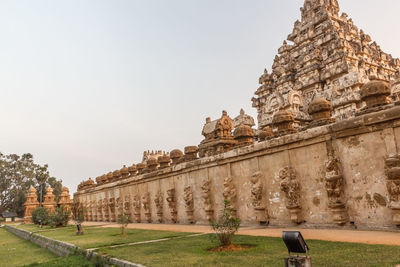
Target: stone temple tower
x: 327, y: 56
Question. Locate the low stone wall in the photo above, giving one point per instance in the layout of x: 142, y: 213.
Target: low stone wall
x: 64, y: 249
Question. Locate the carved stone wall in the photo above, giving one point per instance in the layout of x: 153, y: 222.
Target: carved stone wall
x: 207, y: 200
x: 334, y: 182
x: 171, y: 199
x: 159, y: 201
x: 189, y: 203
x: 297, y: 178
x: 291, y: 187
x: 393, y: 185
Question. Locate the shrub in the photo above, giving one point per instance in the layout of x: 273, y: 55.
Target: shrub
x: 40, y: 215
x: 226, y: 226
x: 60, y: 217
x: 123, y: 220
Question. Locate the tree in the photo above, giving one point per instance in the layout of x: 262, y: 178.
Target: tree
x: 17, y: 175
x: 226, y: 226
x: 123, y: 220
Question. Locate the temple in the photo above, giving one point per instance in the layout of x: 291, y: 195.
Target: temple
x: 325, y: 152
x: 326, y: 56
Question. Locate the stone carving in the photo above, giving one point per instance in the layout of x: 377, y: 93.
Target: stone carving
x: 49, y: 202
x: 152, y: 165
x: 291, y: 187
x: 243, y: 133
x: 164, y: 161
x: 230, y: 194
x: 218, y: 136
x: 283, y: 121
x: 171, y: 199
x: 132, y: 170
x: 256, y: 195
x: 119, y: 208
x: 93, y: 210
x: 116, y: 175
x: 334, y: 183
x: 176, y: 156
x: 136, y: 208
x: 265, y: 134
x: 141, y: 167
x: 320, y: 109
x: 127, y: 207
x: 189, y: 203
x: 159, y: 201
x: 327, y: 56
x: 146, y: 206
x: 111, y: 205
x: 395, y: 87
x: 376, y: 96
x: 190, y: 153
x: 31, y: 204
x: 393, y: 185
x: 89, y: 211
x: 65, y: 199
x: 86, y: 185
x: 206, y: 195
x: 124, y: 172
x: 99, y: 210
x: 106, y: 212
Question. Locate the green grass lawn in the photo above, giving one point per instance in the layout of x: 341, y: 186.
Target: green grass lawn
x: 193, y: 251
x: 15, y: 251
x: 95, y: 237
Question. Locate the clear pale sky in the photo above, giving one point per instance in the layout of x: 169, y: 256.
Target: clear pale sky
x: 88, y: 85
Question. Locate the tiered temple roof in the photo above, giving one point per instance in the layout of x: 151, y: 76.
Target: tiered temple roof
x: 327, y: 56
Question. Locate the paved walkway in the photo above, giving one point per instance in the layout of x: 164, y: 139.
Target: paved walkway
x: 355, y: 236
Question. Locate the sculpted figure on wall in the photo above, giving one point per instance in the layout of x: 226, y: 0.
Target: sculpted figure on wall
x: 393, y: 185
x: 159, y: 201
x: 146, y: 206
x: 119, y: 207
x: 99, y: 210
x: 127, y: 207
x: 89, y: 211
x: 189, y: 203
x: 334, y: 183
x: 84, y: 208
x: 172, y: 205
x: 230, y: 194
x: 136, y: 208
x: 106, y: 213
x: 206, y: 195
x: 291, y: 187
x: 256, y: 195
x: 111, y: 204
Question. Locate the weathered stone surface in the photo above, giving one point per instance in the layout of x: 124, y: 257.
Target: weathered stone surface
x: 31, y: 204
x: 326, y: 55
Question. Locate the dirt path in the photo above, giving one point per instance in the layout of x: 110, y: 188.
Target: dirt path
x: 355, y: 236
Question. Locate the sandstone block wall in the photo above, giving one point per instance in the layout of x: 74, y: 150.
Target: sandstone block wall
x: 328, y: 176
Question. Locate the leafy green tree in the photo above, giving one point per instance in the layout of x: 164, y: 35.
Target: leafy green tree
x: 17, y: 175
x: 59, y: 218
x: 40, y: 216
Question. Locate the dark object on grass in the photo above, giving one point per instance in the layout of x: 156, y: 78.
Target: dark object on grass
x: 79, y: 229
x: 295, y: 243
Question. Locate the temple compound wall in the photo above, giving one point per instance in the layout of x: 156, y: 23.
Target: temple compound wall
x: 325, y: 152
x: 337, y: 174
